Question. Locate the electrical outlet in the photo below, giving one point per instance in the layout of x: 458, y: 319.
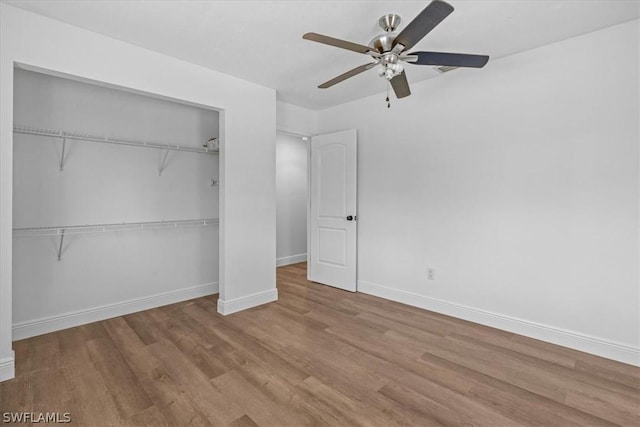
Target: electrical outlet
x: 431, y: 273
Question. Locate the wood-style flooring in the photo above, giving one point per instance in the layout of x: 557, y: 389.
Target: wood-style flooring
x: 318, y: 356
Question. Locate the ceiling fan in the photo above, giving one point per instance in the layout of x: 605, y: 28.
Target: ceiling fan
x: 390, y: 50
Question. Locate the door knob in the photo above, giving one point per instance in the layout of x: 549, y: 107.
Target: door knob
x: 349, y: 218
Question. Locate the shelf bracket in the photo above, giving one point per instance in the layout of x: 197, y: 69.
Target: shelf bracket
x: 60, y: 247
x: 64, y: 146
x: 163, y: 162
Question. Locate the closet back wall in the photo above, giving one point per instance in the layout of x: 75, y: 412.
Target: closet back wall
x: 108, y: 273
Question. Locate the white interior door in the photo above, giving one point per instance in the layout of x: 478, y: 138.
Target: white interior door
x: 333, y: 227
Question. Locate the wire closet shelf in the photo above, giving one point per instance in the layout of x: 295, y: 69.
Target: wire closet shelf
x: 104, y: 228
x: 81, y: 136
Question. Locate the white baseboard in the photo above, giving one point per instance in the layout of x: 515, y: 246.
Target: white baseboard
x: 45, y: 325
x: 243, y: 303
x: 293, y: 259
x: 7, y: 368
x: 589, y: 344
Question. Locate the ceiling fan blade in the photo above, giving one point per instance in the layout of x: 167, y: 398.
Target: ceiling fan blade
x: 400, y: 85
x: 450, y: 59
x: 427, y: 20
x: 348, y: 74
x: 331, y: 41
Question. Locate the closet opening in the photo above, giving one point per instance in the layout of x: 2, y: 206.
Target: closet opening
x: 116, y: 198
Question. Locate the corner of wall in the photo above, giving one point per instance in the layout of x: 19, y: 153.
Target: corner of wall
x: 8, y: 368
x: 246, y: 302
x: 295, y: 119
x: 292, y: 259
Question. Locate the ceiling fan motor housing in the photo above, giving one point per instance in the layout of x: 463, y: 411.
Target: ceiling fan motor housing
x: 390, y: 64
x: 383, y: 42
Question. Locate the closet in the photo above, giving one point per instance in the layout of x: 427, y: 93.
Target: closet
x: 116, y: 200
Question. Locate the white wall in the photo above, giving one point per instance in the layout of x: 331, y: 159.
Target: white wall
x: 518, y: 183
x: 247, y: 200
x: 107, y: 184
x: 291, y: 195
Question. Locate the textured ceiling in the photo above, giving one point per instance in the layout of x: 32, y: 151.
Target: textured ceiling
x: 261, y: 41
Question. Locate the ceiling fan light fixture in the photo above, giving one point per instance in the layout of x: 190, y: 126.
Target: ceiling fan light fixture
x: 390, y: 66
x: 390, y: 72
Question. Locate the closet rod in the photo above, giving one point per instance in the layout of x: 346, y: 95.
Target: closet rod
x: 102, y: 228
x: 56, y: 133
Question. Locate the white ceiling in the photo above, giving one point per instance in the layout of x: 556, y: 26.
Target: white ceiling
x: 261, y: 41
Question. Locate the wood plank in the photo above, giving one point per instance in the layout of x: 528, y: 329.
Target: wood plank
x: 259, y: 353
x: 198, y: 347
x: 142, y: 327
x: 36, y: 353
x: 433, y: 413
x: 528, y: 408
x: 90, y: 393
x: 255, y: 403
x: 631, y: 378
x: 558, y: 370
x: 119, y: 379
x: 150, y: 417
x: 169, y: 400
x: 16, y: 395
x: 210, y: 401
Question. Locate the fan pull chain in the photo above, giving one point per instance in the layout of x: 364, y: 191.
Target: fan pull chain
x: 388, y: 103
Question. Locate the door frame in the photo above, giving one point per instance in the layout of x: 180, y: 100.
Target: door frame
x: 307, y: 137
x: 309, y: 200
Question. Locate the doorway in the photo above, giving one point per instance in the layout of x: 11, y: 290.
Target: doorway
x: 316, y: 205
x: 291, y: 197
